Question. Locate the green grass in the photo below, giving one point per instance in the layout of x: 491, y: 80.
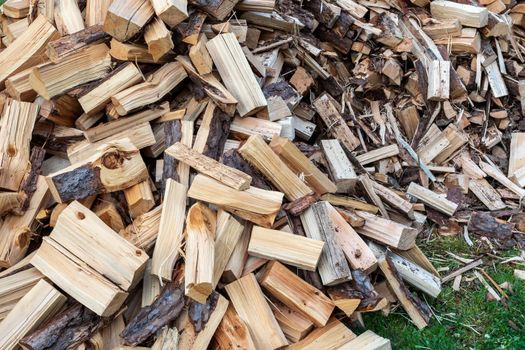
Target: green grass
x: 465, y: 319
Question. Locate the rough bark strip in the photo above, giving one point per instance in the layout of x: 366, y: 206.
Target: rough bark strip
x: 173, y: 132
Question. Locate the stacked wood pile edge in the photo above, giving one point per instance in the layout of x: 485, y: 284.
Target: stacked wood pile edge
x: 249, y: 174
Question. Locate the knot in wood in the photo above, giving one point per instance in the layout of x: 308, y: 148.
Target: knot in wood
x: 357, y: 253
x: 112, y: 160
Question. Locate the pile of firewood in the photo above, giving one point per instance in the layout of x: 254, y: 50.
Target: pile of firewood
x: 248, y: 174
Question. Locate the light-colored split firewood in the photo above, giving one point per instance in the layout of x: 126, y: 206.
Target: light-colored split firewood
x: 352, y: 203
x: 152, y: 90
x: 99, y: 96
x: 386, y: 231
x: 183, y: 169
x: 432, y: 144
x: 367, y: 184
x: 469, y: 167
x: 16, y: 8
x: 519, y: 177
x: 354, y: 248
x: 107, y: 211
x: 233, y: 333
x: 228, y: 233
x: 467, y: 15
x: 248, y: 126
x: 96, y: 11
x: 486, y: 194
x: 201, y: 225
x: 289, y: 248
x: 333, y: 267
x: 517, y: 153
x: 19, y: 87
x: 68, y: 17
x: 295, y: 293
x: 456, y: 139
x: 170, y: 236
x: 261, y: 156
x: 14, y: 287
x: 393, y: 199
x: 295, y: 326
x: 368, y: 341
x: 139, y: 198
x: 16, y: 131
x: 200, y: 57
x: 332, y: 336
x: 113, y: 167
x: 252, y: 307
x: 339, y: 166
x: 418, y: 312
x: 144, y: 229
x: 109, y: 254
x: 15, y: 230
x: 378, y: 154
x: 235, y: 267
x: 158, y: 39
x: 39, y: 304
x: 9, y: 201
x: 256, y: 5
x: 254, y: 204
x: 132, y: 52
x: 52, y: 80
x: 28, y: 50
x: 208, y: 166
x: 438, y: 80
x: 335, y: 123
x: 432, y: 199
x: 125, y: 18
x: 301, y: 165
x: 77, y: 279
x: 150, y: 286
x: 498, y: 175
x: 172, y: 12
x: 140, y: 135
x: 236, y: 73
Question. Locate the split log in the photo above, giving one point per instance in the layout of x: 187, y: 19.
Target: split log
x: 152, y: 90
x: 340, y: 168
x: 432, y: 199
x: 295, y: 326
x: 233, y: 332
x: 212, y: 134
x: 191, y: 29
x: 295, y: 293
x: 291, y: 249
x: 332, y: 336
x: 19, y: 87
x: 171, y: 12
x: 68, y: 18
x: 125, y: 18
x: 378, y: 154
x: 158, y: 39
x: 255, y: 205
x: 387, y: 231
x: 15, y: 286
x: 251, y: 305
x: 143, y: 231
x: 210, y: 167
x: 393, y: 199
x: 9, y: 201
x: 368, y: 341
x: 236, y: 73
x: 170, y: 234
x: 96, y: 11
x: 139, y: 198
x: 235, y: 266
x: 114, y: 167
x: 133, y: 53
x: 243, y: 128
x: 467, y: 15
x: 229, y: 232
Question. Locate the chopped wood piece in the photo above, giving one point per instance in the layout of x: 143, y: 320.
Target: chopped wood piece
x: 393, y: 199
x: 152, y: 90
x: 107, y: 211
x: 16, y: 129
x: 171, y: 227
x: 367, y: 341
x: 250, y: 303
x: 350, y: 203
x: 125, y: 18
x: 497, y: 175
x: 158, y: 39
x: 291, y: 249
x: 9, y: 201
x: 386, y: 231
x: 345, y: 298
x: 432, y: 199
x: 229, y: 232
x: 378, y: 154
x: 15, y: 286
x: 486, y: 194
x: 139, y: 198
x: 132, y: 52
x: 467, y: 15
x: 516, y: 156
x: 200, y: 56
x: 143, y: 231
x: 332, y: 336
x: 200, y: 247
x: 42, y: 301
x: 438, y: 80
x: 233, y: 332
x: 295, y: 326
x: 340, y: 167
x: 229, y: 176
x: 172, y: 12
x: 236, y: 73
x: 245, y: 127
x: 418, y: 311
x: 68, y: 17
x: 28, y: 50
x: 261, y: 156
x: 115, y: 166
x: 96, y: 11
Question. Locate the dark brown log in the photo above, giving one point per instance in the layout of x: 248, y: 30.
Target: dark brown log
x: 343, y: 24
x: 173, y: 134
x: 483, y: 223
x: 163, y: 310
x: 299, y: 205
x: 191, y: 28
x: 233, y: 159
x: 361, y: 282
x: 66, y: 330
x: 199, y: 314
x: 28, y: 186
x: 341, y: 44
x: 322, y: 11
x: 64, y: 46
x: 219, y: 130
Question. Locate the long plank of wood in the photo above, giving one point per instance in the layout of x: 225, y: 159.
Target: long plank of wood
x: 28, y: 50
x: 201, y: 226
x: 251, y: 305
x: 156, y: 86
x: 170, y: 233
x: 125, y: 18
x: 261, y: 156
x: 432, y: 199
x: 42, y: 302
x: 256, y: 205
x: 229, y: 176
x: 330, y: 337
x: 236, y: 73
x: 333, y: 267
x: 335, y: 122
x: 15, y: 230
x: 110, y: 254
x: 114, y: 167
x: 77, y: 279
x: 55, y: 79
x: 300, y: 164
x: 295, y: 293
x: 387, y: 231
x: 291, y: 249
x: 17, y: 125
